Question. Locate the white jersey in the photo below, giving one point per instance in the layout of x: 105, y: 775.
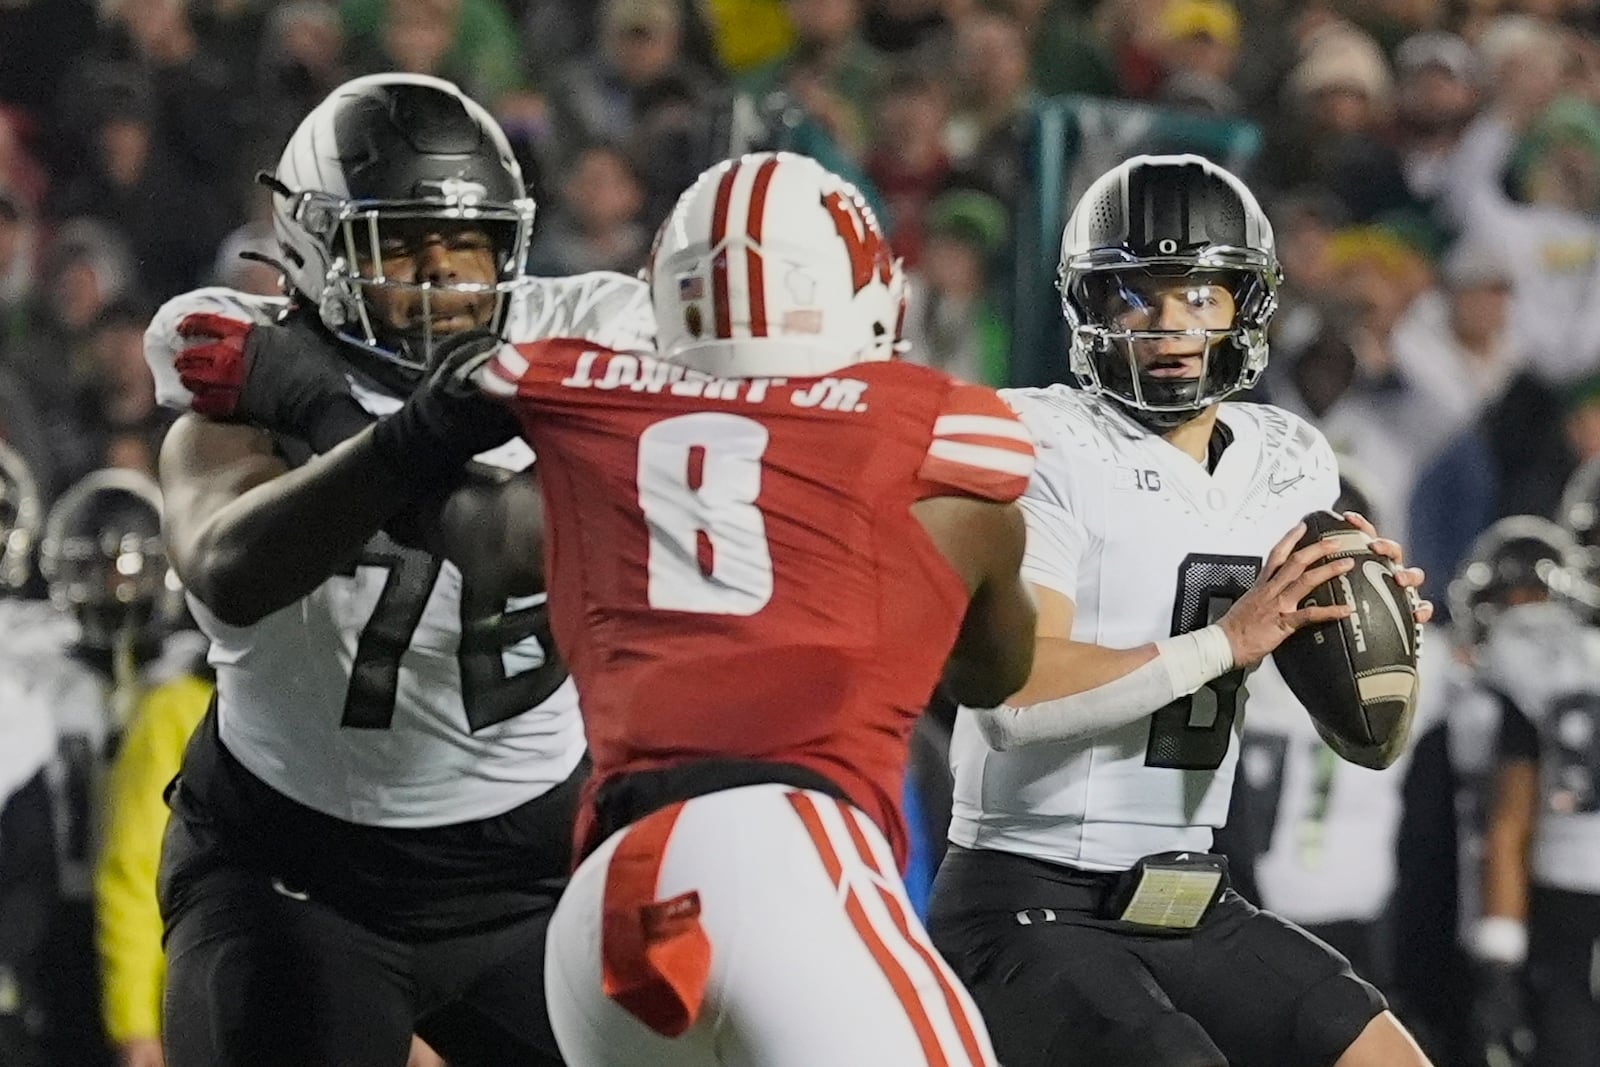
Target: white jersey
x: 1329, y: 827
x: 1146, y: 543
x: 27, y: 728
x: 363, y: 700
x: 1546, y: 662
x: 85, y: 715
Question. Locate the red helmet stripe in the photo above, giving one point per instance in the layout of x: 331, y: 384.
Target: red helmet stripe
x: 719, y: 256
x: 755, y: 276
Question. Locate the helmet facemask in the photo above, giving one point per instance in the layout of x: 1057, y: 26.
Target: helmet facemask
x: 1111, y: 316
x: 1519, y: 560
x: 354, y: 237
x: 104, y: 561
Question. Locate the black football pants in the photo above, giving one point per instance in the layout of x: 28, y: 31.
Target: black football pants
x: 1060, y: 986
x: 1563, y: 975
x: 259, y: 975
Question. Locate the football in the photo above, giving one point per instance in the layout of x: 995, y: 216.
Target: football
x: 1357, y: 676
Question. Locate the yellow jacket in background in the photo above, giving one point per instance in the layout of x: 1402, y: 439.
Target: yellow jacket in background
x: 127, y: 919
x: 749, y: 33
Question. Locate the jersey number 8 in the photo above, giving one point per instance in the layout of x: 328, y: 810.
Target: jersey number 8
x: 699, y: 478
x: 1193, y: 733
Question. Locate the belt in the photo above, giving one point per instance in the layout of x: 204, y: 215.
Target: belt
x: 1165, y: 892
x: 625, y: 800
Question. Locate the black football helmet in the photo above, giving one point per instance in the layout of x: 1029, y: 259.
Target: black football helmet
x: 380, y: 155
x: 104, y: 562
x: 1518, y: 560
x: 21, y: 518
x: 1160, y: 218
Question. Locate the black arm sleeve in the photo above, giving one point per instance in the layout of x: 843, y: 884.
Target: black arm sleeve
x: 1519, y: 738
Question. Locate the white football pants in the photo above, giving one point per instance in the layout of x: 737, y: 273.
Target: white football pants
x: 764, y: 926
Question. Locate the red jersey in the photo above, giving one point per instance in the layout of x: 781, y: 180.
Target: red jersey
x: 735, y: 571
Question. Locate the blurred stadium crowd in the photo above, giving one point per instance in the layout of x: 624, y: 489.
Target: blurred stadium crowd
x: 1432, y: 168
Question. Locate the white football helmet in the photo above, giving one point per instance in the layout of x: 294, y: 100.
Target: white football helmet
x: 772, y: 266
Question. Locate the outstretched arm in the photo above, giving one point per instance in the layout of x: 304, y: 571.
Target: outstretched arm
x: 1078, y: 689
x: 247, y: 534
x: 250, y: 536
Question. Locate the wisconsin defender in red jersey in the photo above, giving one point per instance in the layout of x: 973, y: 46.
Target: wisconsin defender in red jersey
x: 736, y: 570
x: 766, y: 543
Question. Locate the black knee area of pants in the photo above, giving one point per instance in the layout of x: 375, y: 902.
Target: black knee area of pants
x: 1331, y: 1015
x: 1171, y: 1040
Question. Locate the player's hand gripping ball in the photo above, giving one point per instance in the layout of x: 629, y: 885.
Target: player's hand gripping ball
x: 1357, y: 676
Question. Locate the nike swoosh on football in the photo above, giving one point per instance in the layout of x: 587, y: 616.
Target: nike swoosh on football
x: 1278, y: 487
x: 1375, y: 573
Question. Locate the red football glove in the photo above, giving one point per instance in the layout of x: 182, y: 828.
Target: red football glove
x: 212, y: 366
x: 283, y: 377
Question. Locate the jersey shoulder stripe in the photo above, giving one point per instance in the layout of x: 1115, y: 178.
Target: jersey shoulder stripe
x: 503, y: 373
x: 978, y: 447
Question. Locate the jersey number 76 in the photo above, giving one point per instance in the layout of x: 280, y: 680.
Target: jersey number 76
x: 508, y: 660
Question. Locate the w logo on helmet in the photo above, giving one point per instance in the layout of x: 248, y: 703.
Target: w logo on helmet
x: 863, y: 241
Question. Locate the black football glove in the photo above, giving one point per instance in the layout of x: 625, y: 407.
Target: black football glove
x: 1502, y: 1034
x: 448, y: 419
x: 284, y: 377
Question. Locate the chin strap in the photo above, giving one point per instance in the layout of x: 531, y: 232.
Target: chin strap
x: 1155, y: 421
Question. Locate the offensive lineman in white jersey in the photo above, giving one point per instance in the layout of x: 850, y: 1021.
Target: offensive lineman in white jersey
x: 106, y: 569
x: 1537, y: 943
x: 371, y: 828
x: 30, y: 811
x: 1079, y: 901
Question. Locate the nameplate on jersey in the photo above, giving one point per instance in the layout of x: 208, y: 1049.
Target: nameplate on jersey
x: 1170, y: 891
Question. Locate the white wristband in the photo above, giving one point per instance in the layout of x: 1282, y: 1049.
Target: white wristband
x: 1182, y: 665
x: 1195, y: 658
x: 1499, y: 939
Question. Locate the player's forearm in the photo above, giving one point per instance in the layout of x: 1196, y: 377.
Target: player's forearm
x: 1500, y: 935
x: 1510, y: 831
x: 280, y: 540
x: 1159, y: 674
x: 1505, y: 880
x: 1063, y: 668
x: 983, y: 678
